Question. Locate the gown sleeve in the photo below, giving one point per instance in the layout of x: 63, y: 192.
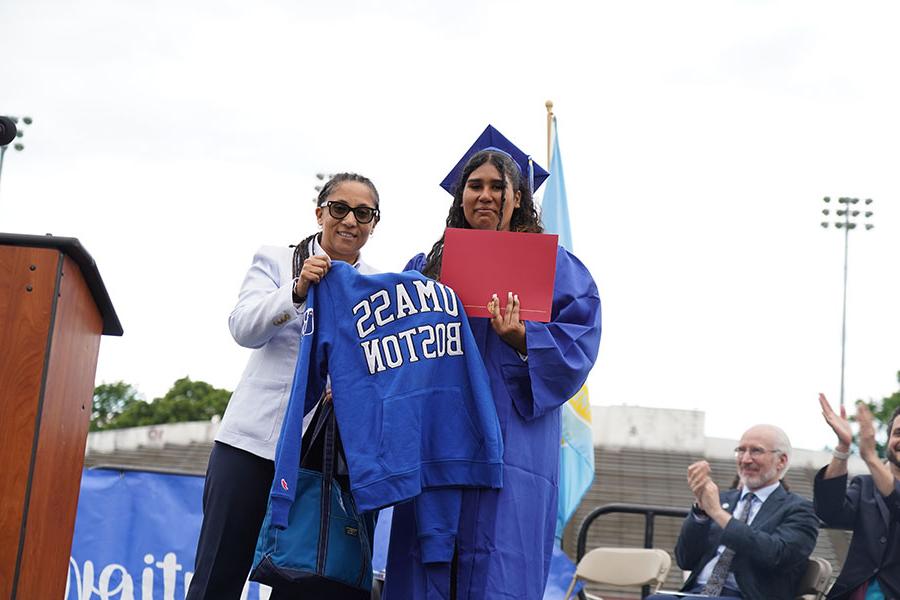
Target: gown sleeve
x: 561, y: 352
x: 416, y: 263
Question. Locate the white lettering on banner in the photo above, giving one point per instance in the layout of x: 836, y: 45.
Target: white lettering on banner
x: 125, y: 587
x: 116, y: 583
x: 84, y: 582
x: 147, y: 578
x: 440, y: 339
x: 170, y: 568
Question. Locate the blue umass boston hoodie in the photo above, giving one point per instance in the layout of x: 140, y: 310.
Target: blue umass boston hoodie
x: 411, y: 397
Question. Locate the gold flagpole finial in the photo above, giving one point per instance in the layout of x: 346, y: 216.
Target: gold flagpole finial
x: 549, y: 105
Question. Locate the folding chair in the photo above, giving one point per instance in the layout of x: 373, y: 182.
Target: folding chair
x: 815, y: 581
x: 626, y: 567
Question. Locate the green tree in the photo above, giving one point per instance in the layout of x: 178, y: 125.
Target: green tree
x: 186, y: 401
x: 110, y: 400
x: 882, y: 410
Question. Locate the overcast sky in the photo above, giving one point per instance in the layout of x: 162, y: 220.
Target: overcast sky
x: 698, y: 138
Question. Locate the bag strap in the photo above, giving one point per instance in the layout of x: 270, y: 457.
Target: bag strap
x: 330, y: 445
x: 312, y: 450
x: 327, y: 476
x: 312, y: 442
x: 326, y: 439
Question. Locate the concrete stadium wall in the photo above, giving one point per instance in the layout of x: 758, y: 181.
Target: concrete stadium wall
x: 666, y: 429
x: 682, y: 431
x: 152, y: 436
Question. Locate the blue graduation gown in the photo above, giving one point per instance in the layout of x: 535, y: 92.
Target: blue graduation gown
x: 505, y: 536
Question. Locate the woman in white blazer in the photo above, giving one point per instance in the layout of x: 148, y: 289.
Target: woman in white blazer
x: 267, y: 318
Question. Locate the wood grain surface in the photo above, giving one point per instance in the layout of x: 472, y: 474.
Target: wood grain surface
x: 57, y: 400
x: 24, y: 334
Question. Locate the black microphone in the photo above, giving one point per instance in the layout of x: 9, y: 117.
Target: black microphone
x: 7, y: 131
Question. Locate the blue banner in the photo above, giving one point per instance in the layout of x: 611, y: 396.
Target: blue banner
x: 136, y: 535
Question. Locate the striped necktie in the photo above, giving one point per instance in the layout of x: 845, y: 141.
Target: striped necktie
x: 719, y: 573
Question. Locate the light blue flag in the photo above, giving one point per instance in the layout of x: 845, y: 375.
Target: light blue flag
x: 554, y: 211
x: 576, y: 458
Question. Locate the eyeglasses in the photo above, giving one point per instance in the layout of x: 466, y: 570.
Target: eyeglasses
x: 754, y: 453
x: 363, y: 214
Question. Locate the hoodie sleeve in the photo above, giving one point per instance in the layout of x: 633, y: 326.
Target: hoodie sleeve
x: 437, y: 523
x: 287, y: 453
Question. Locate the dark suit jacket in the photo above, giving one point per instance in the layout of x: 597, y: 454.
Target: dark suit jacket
x: 875, y: 521
x: 770, y: 554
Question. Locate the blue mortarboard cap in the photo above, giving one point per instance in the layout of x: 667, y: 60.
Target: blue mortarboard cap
x: 494, y: 140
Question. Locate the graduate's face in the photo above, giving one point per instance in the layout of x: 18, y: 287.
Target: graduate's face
x: 343, y: 238
x: 481, y: 199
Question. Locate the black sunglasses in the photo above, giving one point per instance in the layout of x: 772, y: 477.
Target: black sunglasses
x: 339, y: 210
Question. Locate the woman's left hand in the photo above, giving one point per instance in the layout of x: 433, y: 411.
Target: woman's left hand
x: 508, y: 326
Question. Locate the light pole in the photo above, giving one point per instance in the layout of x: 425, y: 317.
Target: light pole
x: 848, y: 218
x: 19, y: 146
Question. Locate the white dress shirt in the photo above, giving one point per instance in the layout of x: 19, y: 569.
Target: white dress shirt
x: 760, y: 497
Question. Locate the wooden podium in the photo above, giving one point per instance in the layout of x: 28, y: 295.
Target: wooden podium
x: 53, y: 310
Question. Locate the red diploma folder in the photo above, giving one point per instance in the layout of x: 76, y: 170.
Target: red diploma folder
x: 478, y: 264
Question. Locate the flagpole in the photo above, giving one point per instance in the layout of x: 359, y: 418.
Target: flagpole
x: 549, y: 105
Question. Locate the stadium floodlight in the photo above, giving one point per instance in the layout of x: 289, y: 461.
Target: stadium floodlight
x: 14, y: 124
x: 846, y: 223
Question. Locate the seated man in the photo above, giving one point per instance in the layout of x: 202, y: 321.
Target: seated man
x: 752, y: 542
x: 870, y: 506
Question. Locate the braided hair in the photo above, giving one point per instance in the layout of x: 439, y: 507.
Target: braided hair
x: 524, y: 218
x: 301, y: 249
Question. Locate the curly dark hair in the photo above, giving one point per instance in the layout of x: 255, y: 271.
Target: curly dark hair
x: 525, y: 217
x: 301, y: 249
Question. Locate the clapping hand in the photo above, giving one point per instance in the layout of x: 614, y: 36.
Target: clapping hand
x: 709, y: 498
x: 882, y: 474
x: 698, y: 477
x: 839, y: 424
x: 866, y: 422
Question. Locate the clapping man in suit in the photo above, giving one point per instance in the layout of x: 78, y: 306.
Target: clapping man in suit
x: 752, y: 542
x: 870, y: 506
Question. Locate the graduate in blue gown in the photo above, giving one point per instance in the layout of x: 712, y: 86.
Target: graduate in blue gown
x: 505, y: 536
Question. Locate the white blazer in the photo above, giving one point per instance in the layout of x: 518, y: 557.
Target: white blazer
x: 265, y: 319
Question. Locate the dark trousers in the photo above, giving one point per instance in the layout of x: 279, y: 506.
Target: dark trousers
x: 234, y: 505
